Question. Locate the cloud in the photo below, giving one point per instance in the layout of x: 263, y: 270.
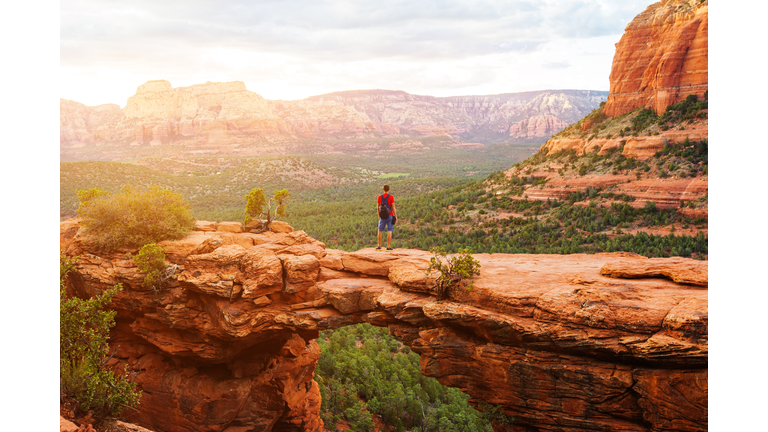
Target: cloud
x: 556, y: 65
x: 286, y: 41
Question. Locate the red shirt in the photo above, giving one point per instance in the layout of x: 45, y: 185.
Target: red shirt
x: 390, y: 200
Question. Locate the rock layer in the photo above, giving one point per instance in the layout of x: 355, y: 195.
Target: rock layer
x: 640, y: 147
x: 227, y: 116
x: 661, y: 58
x: 665, y: 193
x: 560, y: 342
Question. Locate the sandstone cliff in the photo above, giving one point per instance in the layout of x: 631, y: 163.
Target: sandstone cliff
x: 562, y: 343
x: 216, y: 115
x: 661, y: 58
x: 471, y: 117
x: 78, y: 122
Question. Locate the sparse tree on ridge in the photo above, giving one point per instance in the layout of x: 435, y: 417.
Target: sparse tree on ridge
x: 257, y: 206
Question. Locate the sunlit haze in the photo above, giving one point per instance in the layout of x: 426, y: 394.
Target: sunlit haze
x: 294, y: 49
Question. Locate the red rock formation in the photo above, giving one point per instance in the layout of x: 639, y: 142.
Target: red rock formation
x: 665, y: 193
x: 66, y: 425
x: 640, y: 147
x: 556, y: 340
x: 661, y: 58
x: 537, y: 126
x: 79, y: 123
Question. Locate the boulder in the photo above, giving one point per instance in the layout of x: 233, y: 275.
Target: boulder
x: 66, y: 425
x: 233, y: 227
x: 280, y: 227
x: 204, y: 226
x: 300, y: 272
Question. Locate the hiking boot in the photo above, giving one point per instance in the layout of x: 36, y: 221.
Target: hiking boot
x: 389, y: 249
x: 378, y: 248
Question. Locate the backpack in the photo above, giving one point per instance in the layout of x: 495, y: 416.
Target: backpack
x: 384, y: 207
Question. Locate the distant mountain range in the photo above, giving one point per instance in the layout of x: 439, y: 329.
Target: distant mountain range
x: 227, y: 115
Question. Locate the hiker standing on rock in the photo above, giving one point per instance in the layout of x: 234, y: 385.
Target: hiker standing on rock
x: 385, y: 210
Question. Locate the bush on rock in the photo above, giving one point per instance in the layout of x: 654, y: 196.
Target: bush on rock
x: 133, y: 218
x: 83, y: 352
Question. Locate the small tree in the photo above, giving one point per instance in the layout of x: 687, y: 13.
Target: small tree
x: 84, y: 352
x: 151, y: 261
x: 257, y: 206
x: 452, y: 270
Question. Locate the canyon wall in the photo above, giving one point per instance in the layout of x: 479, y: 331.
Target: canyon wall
x: 471, y: 117
x: 220, y: 114
x: 598, y: 342
x: 78, y: 122
x: 661, y: 58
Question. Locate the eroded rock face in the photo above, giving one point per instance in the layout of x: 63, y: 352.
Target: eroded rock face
x: 226, y: 116
x: 661, y: 58
x: 79, y: 123
x: 665, y: 193
x: 537, y: 126
x: 641, y: 147
x: 561, y: 342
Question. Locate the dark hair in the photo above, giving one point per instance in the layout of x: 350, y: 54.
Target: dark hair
x: 386, y: 188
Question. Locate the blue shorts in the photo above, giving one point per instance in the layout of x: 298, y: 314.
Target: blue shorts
x: 386, y: 224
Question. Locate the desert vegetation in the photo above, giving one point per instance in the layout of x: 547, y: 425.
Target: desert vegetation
x: 681, y: 160
x: 92, y: 387
x: 452, y: 271
x: 258, y: 206
x: 133, y: 217
x: 364, y: 374
x: 641, y: 121
x: 151, y: 261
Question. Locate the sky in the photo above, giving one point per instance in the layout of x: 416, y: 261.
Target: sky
x: 294, y: 49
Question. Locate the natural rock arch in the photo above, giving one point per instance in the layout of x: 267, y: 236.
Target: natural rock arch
x: 561, y: 342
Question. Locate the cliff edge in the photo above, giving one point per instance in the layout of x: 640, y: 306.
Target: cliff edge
x: 561, y: 342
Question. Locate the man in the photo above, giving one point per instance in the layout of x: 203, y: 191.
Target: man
x: 386, y: 203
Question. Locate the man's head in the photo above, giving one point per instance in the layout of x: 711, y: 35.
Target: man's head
x: 386, y: 188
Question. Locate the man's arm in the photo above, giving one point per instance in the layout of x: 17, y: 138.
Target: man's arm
x: 394, y: 212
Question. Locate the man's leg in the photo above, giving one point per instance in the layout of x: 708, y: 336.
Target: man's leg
x: 389, y: 238
x: 380, y: 238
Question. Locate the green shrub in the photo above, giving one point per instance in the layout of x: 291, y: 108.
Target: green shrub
x: 133, y: 218
x: 452, y: 270
x: 644, y: 118
x: 83, y: 352
x: 496, y: 414
x: 151, y: 262
x: 85, y: 196
x: 687, y: 109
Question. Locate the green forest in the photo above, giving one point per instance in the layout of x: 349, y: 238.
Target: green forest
x: 365, y: 372
x: 488, y: 214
